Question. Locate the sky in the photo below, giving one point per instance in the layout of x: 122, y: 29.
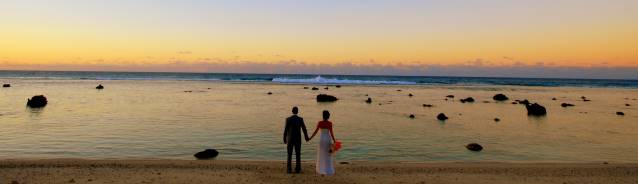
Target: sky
x: 535, y: 38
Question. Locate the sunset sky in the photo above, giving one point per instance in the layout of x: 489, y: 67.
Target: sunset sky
x: 288, y: 35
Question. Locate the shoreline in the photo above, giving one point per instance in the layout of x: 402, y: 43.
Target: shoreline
x: 272, y: 171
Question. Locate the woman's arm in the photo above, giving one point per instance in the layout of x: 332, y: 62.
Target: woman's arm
x: 333, y: 136
x: 314, y: 133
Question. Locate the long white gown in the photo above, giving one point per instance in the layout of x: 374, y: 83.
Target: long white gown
x: 325, y: 162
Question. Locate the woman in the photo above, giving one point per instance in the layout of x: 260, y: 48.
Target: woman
x: 325, y: 162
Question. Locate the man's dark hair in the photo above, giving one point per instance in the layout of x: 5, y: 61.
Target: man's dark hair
x: 295, y: 110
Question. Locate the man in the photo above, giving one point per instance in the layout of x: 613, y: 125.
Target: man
x: 292, y: 137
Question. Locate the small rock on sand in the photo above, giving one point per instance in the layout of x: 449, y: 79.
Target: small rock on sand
x: 500, y: 97
x: 410, y: 95
x: 369, y: 100
x: 449, y: 96
x: 474, y: 147
x: 315, y: 88
x: 269, y: 93
x: 497, y: 120
x: 566, y: 105
x: 428, y: 105
x: 441, y: 117
x: 99, y: 86
x: 206, y: 154
x: 468, y: 99
x: 627, y: 105
x: 338, y: 86
x: 6, y: 85
x: 306, y: 87
x: 326, y: 98
x: 536, y: 110
x: 412, y: 116
x: 620, y: 113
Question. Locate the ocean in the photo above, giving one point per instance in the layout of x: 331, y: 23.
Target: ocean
x: 174, y: 115
x: 320, y: 79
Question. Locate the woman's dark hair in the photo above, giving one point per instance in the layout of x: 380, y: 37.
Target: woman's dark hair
x: 326, y: 115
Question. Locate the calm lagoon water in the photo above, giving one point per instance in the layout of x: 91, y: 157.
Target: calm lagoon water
x: 156, y: 119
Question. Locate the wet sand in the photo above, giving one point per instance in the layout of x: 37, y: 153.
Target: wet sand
x: 226, y: 171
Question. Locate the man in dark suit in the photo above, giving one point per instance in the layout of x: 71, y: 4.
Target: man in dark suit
x: 292, y: 137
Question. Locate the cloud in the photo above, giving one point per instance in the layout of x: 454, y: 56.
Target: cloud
x: 474, y: 68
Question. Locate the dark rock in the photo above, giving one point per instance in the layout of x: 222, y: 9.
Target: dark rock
x: 449, y: 96
x: 497, y: 120
x: 326, y: 98
x: 566, y: 105
x: 338, y: 86
x: 410, y: 95
x: 206, y: 154
x: 315, y: 88
x: 326, y: 88
x: 37, y: 101
x: 627, y: 105
x: 553, y: 98
x: 500, y: 97
x: 306, y: 87
x: 188, y: 91
x: 72, y: 180
x: 269, y: 93
x: 514, y: 102
x: 428, y: 105
x: 369, y: 100
x: 620, y: 113
x: 536, y: 110
x: 474, y: 147
x: 468, y: 99
x: 487, y: 101
x: 523, y: 102
x: 412, y: 116
x: 6, y: 85
x: 99, y: 86
x: 441, y: 117
x: 343, y: 163
x: 586, y: 100
x: 399, y: 90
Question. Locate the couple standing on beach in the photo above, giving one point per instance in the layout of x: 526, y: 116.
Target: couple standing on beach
x: 292, y: 137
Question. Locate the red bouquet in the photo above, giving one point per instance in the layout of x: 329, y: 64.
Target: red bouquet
x: 335, y: 147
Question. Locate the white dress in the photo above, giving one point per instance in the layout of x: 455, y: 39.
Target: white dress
x: 325, y: 161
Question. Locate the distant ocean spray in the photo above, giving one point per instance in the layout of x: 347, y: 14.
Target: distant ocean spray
x: 319, y: 79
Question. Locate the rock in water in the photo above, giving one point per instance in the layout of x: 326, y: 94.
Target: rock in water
x: 500, y: 97
x: 566, y: 105
x: 326, y: 98
x: 369, y: 100
x: 468, y: 99
x: 37, y: 101
x: 206, y: 154
x: 474, y: 147
x: 315, y: 88
x: 6, y: 85
x: 99, y: 86
x: 536, y: 110
x: 412, y: 116
x: 620, y: 113
x: 441, y: 117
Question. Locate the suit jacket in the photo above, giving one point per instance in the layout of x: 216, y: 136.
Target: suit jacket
x: 292, y: 132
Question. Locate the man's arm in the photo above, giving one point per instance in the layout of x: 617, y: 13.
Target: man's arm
x: 286, y: 130
x: 303, y: 128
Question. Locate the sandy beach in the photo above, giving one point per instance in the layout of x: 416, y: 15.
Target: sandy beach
x: 227, y: 171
